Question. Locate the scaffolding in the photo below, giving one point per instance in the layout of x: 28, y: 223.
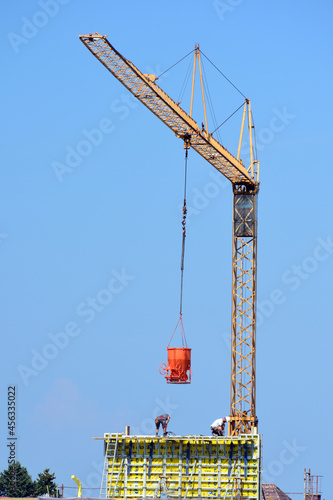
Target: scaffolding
x: 182, y: 467
x: 312, y: 486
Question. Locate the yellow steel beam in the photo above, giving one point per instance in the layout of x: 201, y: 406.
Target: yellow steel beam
x: 202, y: 91
x: 243, y: 334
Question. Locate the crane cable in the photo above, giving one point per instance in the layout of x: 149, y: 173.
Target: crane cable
x: 175, y: 64
x: 180, y: 321
x: 232, y: 114
x: 241, y: 93
x: 186, y: 146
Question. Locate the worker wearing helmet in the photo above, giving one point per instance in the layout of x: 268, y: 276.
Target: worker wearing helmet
x: 164, y: 420
x: 218, y: 426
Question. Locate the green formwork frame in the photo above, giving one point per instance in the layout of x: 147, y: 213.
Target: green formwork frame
x: 182, y: 467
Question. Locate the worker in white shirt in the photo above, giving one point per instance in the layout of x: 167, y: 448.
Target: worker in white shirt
x: 218, y: 426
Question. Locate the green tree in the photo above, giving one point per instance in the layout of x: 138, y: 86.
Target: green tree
x: 45, y: 484
x: 16, y: 482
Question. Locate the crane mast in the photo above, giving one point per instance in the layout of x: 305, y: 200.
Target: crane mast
x: 245, y: 182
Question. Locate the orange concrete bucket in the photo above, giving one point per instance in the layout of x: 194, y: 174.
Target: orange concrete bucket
x: 178, y: 368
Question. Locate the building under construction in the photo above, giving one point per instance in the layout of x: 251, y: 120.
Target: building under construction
x: 182, y: 467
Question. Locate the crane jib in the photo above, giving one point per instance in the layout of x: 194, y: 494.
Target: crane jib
x: 153, y: 97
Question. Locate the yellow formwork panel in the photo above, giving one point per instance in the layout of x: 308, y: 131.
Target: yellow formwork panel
x: 182, y: 466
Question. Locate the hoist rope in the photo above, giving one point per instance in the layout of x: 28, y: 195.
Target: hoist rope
x: 180, y: 320
x: 184, y: 236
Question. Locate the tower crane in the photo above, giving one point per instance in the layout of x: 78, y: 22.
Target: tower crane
x: 245, y: 183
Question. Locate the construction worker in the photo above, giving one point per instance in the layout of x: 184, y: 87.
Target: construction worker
x: 164, y: 420
x: 218, y: 426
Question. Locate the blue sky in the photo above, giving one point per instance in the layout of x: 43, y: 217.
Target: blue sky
x: 114, y: 220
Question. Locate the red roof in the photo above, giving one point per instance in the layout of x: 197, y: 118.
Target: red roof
x: 272, y: 492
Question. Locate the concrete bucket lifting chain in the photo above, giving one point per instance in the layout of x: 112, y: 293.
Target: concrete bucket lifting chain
x: 182, y: 331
